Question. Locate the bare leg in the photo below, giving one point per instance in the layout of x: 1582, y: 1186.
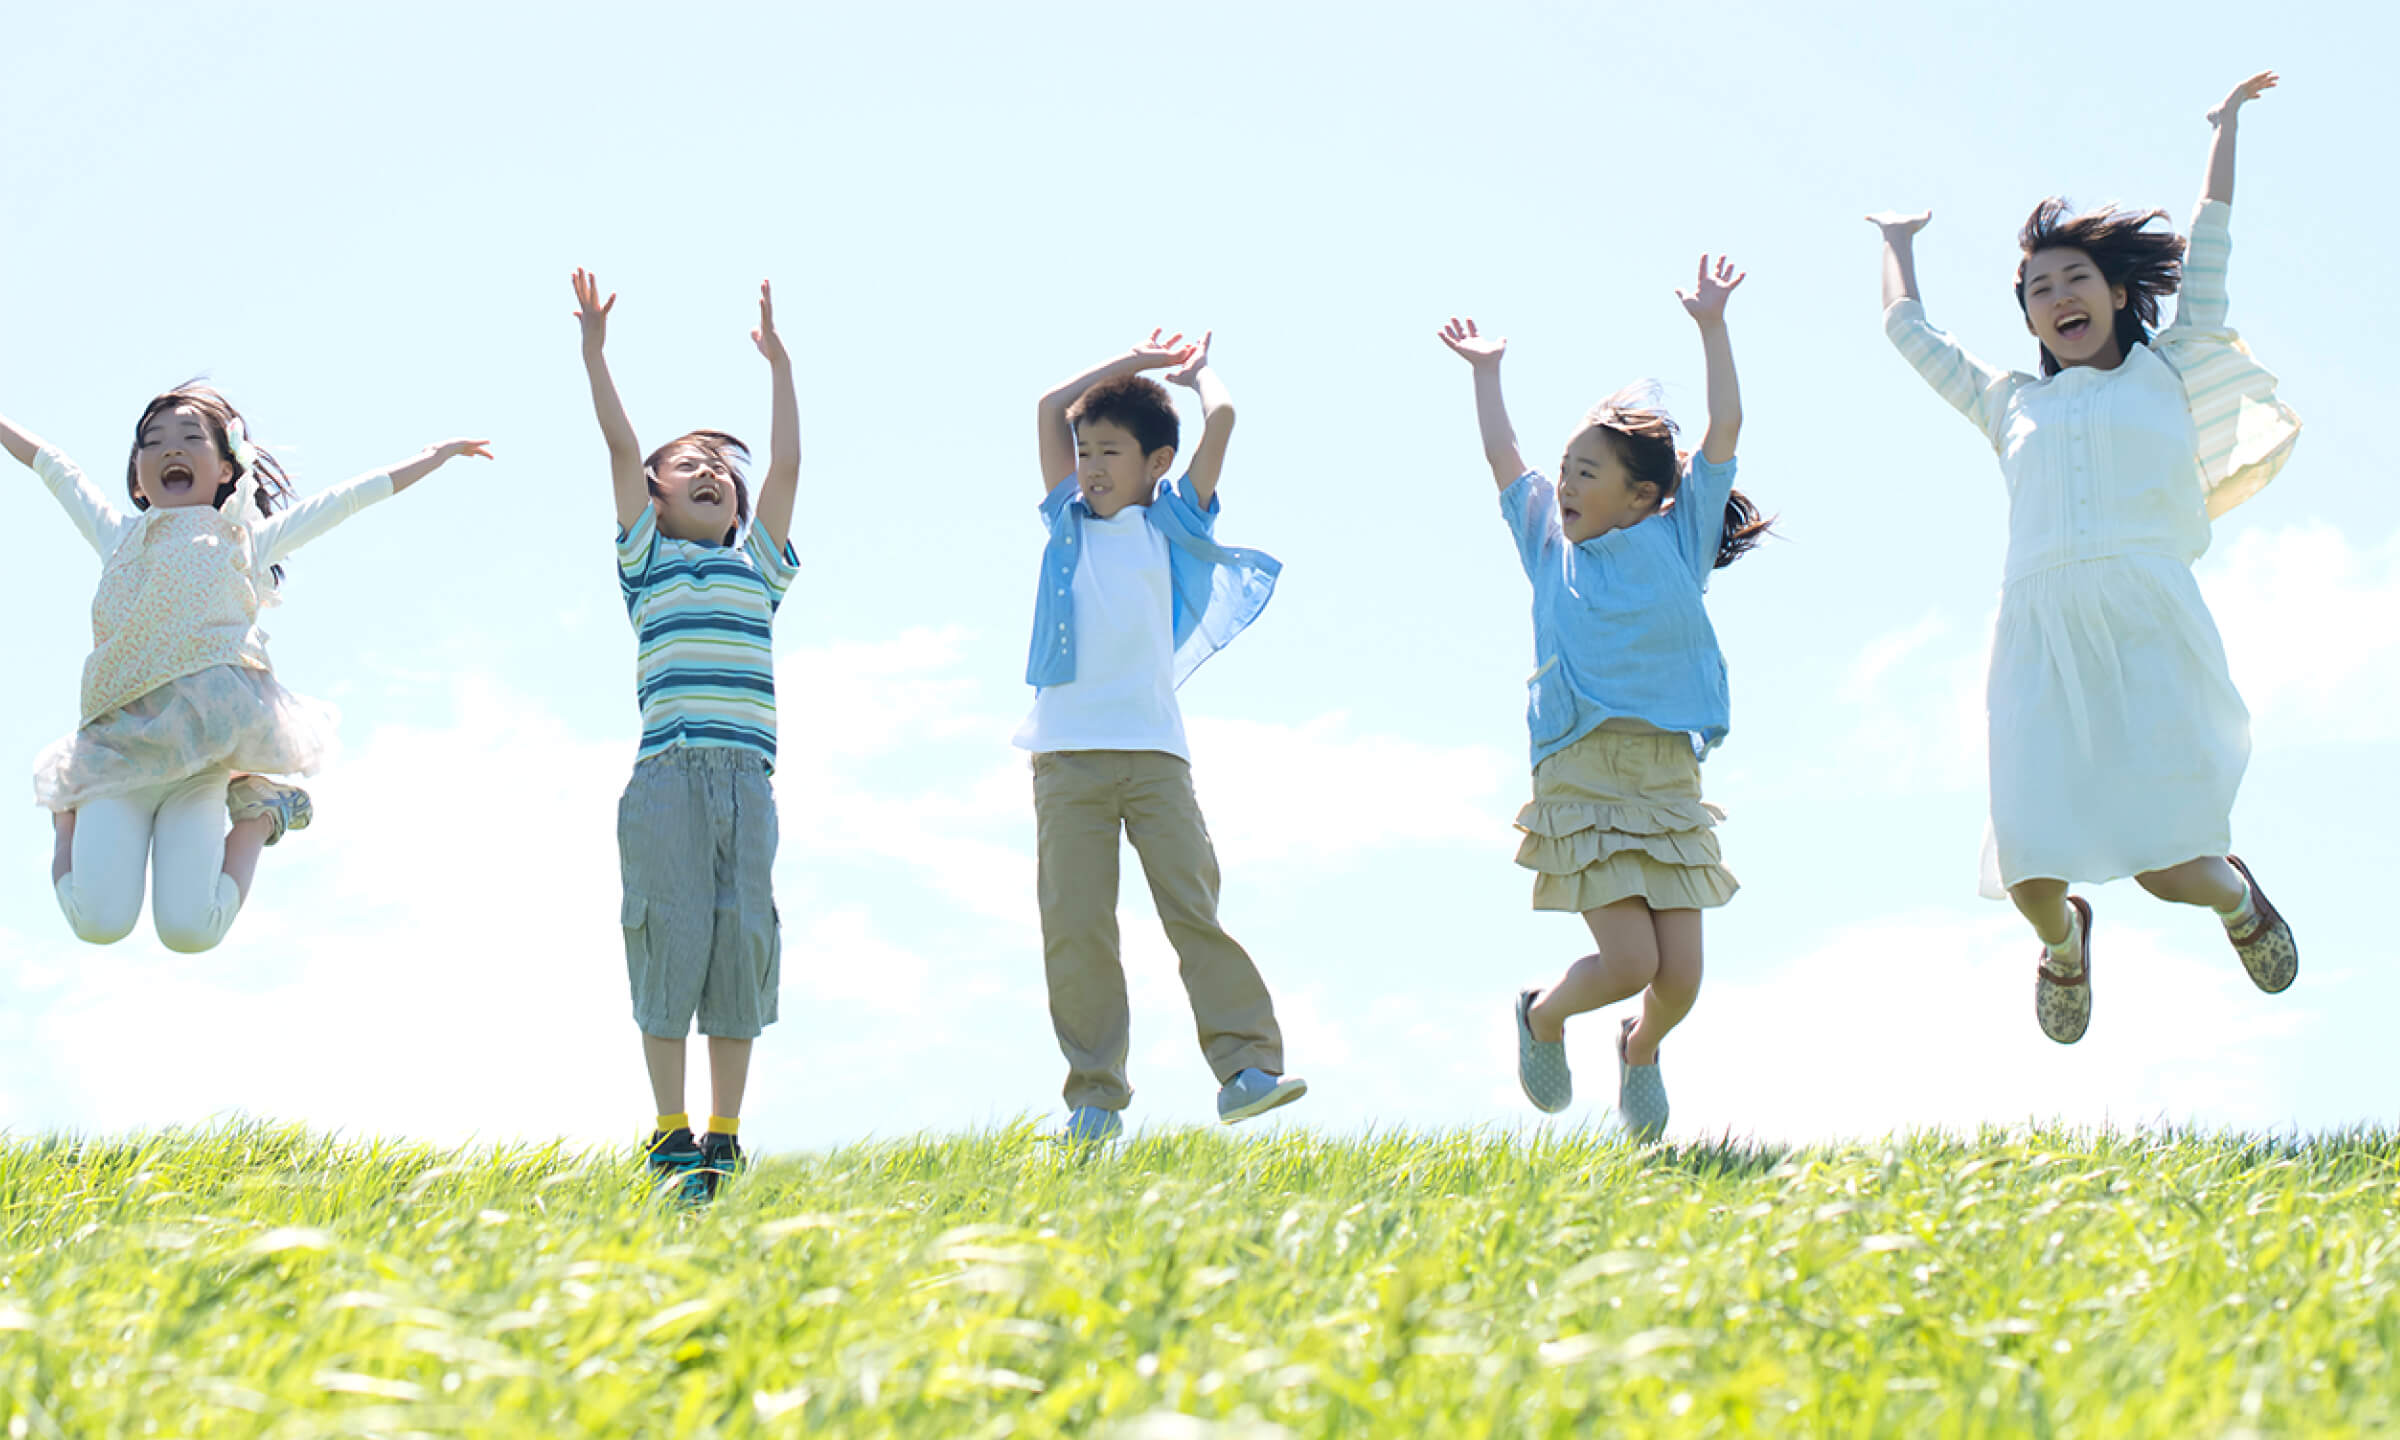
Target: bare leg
x: 664, y: 1057
x: 1627, y: 961
x: 728, y: 1075
x: 2044, y: 902
x: 2206, y: 881
x: 242, y: 846
x: 1677, y: 987
x: 62, y: 852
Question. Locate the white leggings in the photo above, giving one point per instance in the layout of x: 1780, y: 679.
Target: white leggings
x: 178, y: 829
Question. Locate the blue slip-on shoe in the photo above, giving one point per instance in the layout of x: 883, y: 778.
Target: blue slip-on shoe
x: 1541, y: 1064
x: 1641, y: 1093
x: 1091, y: 1125
x: 1255, y: 1092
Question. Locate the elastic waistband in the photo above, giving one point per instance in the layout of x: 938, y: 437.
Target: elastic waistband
x: 720, y: 758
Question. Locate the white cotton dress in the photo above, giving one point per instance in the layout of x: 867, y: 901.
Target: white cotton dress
x: 2118, y: 739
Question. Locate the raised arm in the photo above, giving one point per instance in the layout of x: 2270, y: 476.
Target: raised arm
x: 23, y: 444
x: 1482, y: 355
x: 308, y: 518
x: 782, y: 481
x: 2220, y: 147
x: 624, y: 452
x: 1216, y: 420
x: 1706, y: 305
x: 1900, y: 253
x: 1058, y: 437
x: 433, y: 457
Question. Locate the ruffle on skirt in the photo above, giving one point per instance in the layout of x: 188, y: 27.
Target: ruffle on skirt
x: 227, y: 717
x: 1592, y: 837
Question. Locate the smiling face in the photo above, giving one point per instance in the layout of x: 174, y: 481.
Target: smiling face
x: 2072, y: 309
x: 1111, y: 469
x: 696, y: 491
x: 1596, y: 493
x: 179, y: 460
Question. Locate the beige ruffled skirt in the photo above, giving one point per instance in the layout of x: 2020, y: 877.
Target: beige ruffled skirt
x: 1618, y: 814
x: 226, y: 717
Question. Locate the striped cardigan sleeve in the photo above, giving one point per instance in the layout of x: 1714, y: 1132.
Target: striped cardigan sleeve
x: 2245, y: 434
x: 1977, y: 390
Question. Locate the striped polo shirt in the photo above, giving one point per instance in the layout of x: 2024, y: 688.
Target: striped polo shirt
x: 702, y: 616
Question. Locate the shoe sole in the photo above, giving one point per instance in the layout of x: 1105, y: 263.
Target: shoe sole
x: 1275, y: 1099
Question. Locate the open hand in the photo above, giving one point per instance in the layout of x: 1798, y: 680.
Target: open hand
x: 591, y: 311
x: 1898, y: 225
x: 764, y: 337
x: 1157, y: 354
x: 452, y: 449
x: 1196, y: 360
x: 1476, y: 350
x: 1706, y: 302
x: 2243, y: 93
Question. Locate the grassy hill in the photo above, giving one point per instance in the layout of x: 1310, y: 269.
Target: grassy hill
x: 264, y: 1282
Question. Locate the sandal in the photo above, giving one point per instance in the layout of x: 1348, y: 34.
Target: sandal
x: 2062, y: 1002
x: 2265, y: 944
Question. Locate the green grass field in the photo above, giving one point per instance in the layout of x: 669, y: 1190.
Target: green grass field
x: 261, y: 1282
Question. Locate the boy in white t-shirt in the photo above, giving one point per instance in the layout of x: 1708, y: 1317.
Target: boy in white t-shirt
x: 1134, y: 594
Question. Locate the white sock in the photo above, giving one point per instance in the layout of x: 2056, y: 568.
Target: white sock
x: 2067, y: 952
x: 2241, y: 914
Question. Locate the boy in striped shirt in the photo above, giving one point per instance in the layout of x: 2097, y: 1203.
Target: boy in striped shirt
x: 696, y: 831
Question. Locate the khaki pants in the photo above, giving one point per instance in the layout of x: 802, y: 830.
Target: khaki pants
x: 1080, y: 798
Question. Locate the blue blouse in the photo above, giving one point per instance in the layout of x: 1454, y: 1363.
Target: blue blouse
x: 1218, y: 590
x: 1618, y: 624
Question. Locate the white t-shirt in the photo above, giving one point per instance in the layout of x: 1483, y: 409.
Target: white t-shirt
x: 1123, y: 693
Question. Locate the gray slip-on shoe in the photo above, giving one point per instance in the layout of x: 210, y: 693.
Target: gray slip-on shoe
x: 1641, y: 1093
x: 1541, y: 1064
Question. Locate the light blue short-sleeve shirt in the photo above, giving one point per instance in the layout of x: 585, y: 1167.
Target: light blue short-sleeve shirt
x: 1619, y: 630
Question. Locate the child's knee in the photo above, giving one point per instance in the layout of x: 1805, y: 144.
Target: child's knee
x: 189, y: 929
x: 97, y: 919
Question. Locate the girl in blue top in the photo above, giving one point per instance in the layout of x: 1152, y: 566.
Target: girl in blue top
x: 1627, y: 696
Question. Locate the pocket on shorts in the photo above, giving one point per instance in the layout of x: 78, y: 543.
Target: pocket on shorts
x: 634, y: 915
x: 770, y: 984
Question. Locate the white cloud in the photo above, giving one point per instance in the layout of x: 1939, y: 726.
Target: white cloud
x: 2312, y: 631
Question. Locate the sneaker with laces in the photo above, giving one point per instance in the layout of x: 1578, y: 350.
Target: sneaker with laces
x: 1091, y: 1125
x: 250, y: 796
x: 675, y: 1159
x: 720, y: 1160
x: 1255, y: 1092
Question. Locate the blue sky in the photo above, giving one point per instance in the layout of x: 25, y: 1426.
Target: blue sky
x: 362, y: 228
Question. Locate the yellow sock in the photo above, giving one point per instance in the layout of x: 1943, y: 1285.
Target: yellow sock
x: 669, y: 1124
x: 724, y: 1124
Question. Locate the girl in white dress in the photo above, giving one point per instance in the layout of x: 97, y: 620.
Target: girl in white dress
x: 2117, y: 737
x: 182, y: 717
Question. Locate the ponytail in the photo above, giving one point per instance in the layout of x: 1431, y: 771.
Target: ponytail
x: 1744, y: 528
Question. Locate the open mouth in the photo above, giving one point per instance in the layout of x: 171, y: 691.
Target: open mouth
x: 176, y: 477
x: 707, y: 495
x: 2074, y: 327
x: 1569, y: 514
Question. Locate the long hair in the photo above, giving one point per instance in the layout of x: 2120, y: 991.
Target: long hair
x: 2147, y: 263
x: 1644, y: 438
x: 724, y: 450
x: 273, y: 483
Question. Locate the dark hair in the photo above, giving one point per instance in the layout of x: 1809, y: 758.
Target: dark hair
x: 1643, y: 437
x: 2147, y: 263
x: 724, y: 450
x: 218, y: 417
x: 1138, y: 403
